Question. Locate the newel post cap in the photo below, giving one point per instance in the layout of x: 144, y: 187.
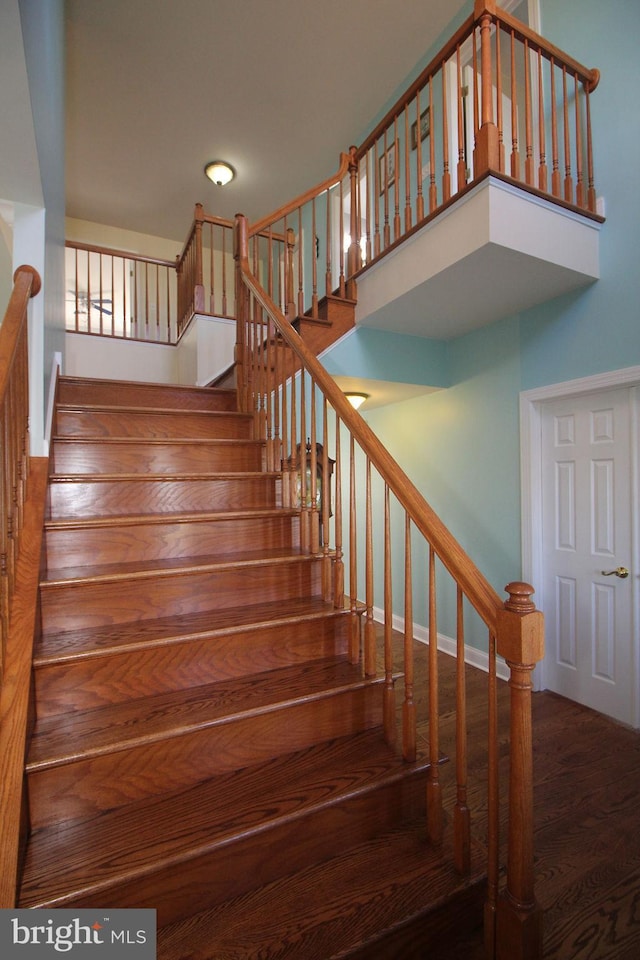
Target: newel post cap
x: 520, y: 627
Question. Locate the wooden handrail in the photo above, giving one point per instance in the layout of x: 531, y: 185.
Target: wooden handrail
x: 22, y: 499
x: 276, y: 371
x: 261, y: 225
x: 475, y: 586
x: 124, y: 254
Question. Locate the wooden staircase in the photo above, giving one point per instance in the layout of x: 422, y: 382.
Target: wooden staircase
x: 202, y: 743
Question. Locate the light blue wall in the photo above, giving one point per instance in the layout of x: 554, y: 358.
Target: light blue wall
x: 381, y: 355
x: 461, y: 446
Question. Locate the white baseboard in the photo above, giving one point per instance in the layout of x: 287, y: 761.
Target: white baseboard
x: 472, y: 656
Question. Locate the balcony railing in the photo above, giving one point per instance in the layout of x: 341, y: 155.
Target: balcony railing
x: 497, y: 100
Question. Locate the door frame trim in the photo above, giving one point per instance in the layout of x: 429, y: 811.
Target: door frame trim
x: 531, y: 403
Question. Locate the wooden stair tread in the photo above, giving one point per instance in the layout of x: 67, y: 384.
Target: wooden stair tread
x: 99, y: 641
x: 153, y: 411
x: 329, y: 910
x: 107, y: 729
x: 172, y: 566
x: 224, y: 442
x: 92, y: 855
x: 60, y: 478
x: 146, y: 519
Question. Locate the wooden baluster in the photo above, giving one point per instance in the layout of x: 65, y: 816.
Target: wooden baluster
x: 591, y: 190
x: 433, y: 190
x: 446, y: 176
x: 476, y: 111
x: 419, y: 193
x: 376, y: 196
x: 461, y: 813
x: 296, y: 495
x: 358, y: 234
x: 408, y: 707
x: 389, y: 702
x: 342, y: 282
x: 169, y: 317
x: 113, y: 298
x: 555, y: 161
x: 528, y: 162
x: 314, y: 261
x: 135, y: 299
x: 212, y: 284
x: 520, y: 641
x: 305, y: 528
x: 354, y: 638
x: 515, y: 152
x: 568, y: 179
x: 338, y: 588
x: 300, y: 267
x: 101, y: 295
x: 396, y: 180
x: 327, y: 588
x: 407, y: 176
x: 493, y: 805
x: 542, y: 169
x: 88, y: 293
x: 368, y: 215
x: 290, y: 242
x: 225, y: 310
x: 269, y: 388
x: 580, y: 201
x: 434, y: 787
x: 270, y: 262
x: 77, y: 309
x: 315, y: 516
x: 198, y: 290
x: 352, y: 256
x: 462, y: 165
x: 499, y: 111
x: 384, y: 189
x: 369, y: 627
x: 157, y: 301
x: 328, y: 276
x: 146, y: 301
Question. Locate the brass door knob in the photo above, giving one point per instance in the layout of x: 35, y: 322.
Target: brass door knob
x: 621, y: 572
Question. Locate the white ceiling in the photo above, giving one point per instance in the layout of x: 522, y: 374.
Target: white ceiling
x: 156, y: 88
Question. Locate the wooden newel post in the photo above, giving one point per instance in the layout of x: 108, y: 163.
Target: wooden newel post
x: 198, y: 288
x: 486, y: 155
x: 352, y: 256
x: 520, y: 640
x: 241, y: 254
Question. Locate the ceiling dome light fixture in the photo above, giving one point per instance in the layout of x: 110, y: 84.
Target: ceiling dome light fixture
x: 356, y: 399
x: 219, y: 172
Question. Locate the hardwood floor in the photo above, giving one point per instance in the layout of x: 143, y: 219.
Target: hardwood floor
x: 587, y: 815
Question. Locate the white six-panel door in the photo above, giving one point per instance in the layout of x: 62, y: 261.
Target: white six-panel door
x: 588, y: 488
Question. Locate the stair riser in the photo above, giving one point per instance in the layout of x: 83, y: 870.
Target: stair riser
x: 113, y: 456
x: 96, y: 681
x: 75, y: 606
x: 80, y: 391
x: 114, y: 498
x: 179, y: 890
x: 82, y: 788
x: 77, y: 546
x: 132, y: 423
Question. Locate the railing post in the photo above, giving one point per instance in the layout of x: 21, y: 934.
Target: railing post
x: 352, y: 259
x: 487, y: 151
x: 198, y: 289
x: 520, y: 640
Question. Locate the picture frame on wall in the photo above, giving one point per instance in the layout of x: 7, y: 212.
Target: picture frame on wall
x: 387, y: 169
x: 425, y: 128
